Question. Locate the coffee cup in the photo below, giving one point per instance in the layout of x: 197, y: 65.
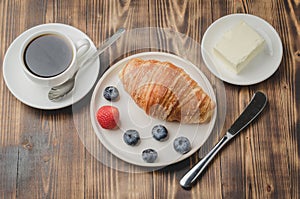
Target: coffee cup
x: 50, y: 57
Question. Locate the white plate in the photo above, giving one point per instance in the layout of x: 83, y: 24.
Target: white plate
x: 35, y: 95
x: 133, y: 117
x: 260, y: 68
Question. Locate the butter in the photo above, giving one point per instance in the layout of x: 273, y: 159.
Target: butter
x: 239, y: 46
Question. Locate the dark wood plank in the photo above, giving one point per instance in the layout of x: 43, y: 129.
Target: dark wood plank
x: 10, y: 108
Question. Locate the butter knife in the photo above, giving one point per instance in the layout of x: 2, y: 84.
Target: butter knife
x: 254, y: 108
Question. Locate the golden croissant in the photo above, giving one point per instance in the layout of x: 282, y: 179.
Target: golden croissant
x: 166, y: 91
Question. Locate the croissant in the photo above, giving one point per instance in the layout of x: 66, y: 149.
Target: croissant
x: 166, y: 92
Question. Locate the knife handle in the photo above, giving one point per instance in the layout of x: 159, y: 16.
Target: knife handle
x: 188, y: 179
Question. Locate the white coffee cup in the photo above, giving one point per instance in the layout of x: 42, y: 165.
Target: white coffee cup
x: 50, y: 57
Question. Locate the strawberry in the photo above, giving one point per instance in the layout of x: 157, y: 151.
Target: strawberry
x: 108, y: 117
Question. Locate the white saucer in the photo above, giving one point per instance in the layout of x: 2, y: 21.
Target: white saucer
x: 260, y: 68
x: 35, y: 95
x: 133, y: 117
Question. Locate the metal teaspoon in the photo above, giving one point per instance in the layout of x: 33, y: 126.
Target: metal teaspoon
x: 56, y: 93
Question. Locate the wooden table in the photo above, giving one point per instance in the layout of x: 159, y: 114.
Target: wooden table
x: 42, y: 156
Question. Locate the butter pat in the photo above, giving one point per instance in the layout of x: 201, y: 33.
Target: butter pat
x: 239, y: 46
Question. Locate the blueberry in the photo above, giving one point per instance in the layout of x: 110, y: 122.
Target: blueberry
x: 159, y: 132
x: 111, y: 93
x: 182, y: 145
x: 149, y: 155
x: 131, y: 137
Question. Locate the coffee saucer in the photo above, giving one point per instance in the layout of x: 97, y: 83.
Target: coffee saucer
x: 35, y: 95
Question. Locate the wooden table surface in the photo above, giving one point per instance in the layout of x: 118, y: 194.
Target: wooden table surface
x: 42, y: 155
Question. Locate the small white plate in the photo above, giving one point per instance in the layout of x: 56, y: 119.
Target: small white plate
x: 260, y: 68
x: 133, y: 117
x: 35, y: 95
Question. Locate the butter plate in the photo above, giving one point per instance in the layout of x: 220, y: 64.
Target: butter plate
x: 260, y: 68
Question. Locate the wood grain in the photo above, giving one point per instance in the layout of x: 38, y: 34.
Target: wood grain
x: 42, y: 156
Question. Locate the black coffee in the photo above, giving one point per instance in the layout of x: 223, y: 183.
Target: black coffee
x: 48, y: 55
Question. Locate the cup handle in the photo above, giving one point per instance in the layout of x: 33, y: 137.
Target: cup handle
x: 82, y: 47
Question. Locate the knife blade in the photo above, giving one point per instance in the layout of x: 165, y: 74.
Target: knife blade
x: 254, y: 108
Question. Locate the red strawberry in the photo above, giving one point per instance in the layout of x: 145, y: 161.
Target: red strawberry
x: 108, y: 117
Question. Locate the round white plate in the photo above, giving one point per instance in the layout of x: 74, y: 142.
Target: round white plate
x: 133, y: 117
x: 260, y: 68
x: 35, y: 95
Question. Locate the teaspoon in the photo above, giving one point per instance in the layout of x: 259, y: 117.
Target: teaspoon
x: 56, y: 93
